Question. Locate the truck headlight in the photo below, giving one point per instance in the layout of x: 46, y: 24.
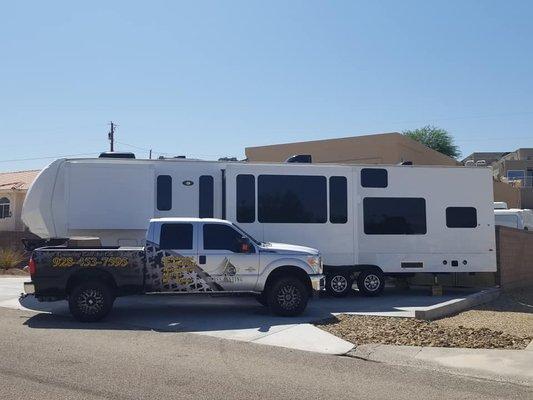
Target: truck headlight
x: 315, y: 262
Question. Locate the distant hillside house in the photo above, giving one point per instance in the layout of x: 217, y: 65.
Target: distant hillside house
x: 383, y: 148
x: 13, y: 188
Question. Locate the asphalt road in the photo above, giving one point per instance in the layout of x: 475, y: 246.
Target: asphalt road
x: 52, y: 357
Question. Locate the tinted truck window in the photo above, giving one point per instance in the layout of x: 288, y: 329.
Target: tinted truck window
x: 292, y: 199
x: 221, y: 237
x: 461, y: 217
x: 394, y: 216
x: 176, y: 237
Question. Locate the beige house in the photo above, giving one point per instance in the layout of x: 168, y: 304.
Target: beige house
x: 13, y: 188
x: 383, y: 148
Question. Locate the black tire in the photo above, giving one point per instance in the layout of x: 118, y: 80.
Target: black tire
x: 371, y: 283
x: 262, y: 299
x: 91, y: 301
x: 287, y: 297
x: 339, y: 284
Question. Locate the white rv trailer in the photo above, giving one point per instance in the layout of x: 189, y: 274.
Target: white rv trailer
x: 391, y: 219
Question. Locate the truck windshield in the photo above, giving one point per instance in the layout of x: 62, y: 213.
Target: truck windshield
x: 257, y: 242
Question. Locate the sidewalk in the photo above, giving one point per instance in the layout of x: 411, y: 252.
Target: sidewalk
x: 515, y: 366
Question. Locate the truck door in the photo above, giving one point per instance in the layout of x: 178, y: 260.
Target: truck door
x: 172, y: 259
x: 223, y: 257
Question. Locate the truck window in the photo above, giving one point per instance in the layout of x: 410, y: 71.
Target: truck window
x: 338, y: 200
x: 221, y: 237
x: 374, y: 178
x: 292, y: 199
x: 176, y: 237
x: 461, y: 217
x: 245, y: 198
x: 207, y: 197
x: 164, y: 192
x: 394, y: 215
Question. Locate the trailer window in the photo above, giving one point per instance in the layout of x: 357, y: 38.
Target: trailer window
x: 164, y: 192
x: 292, y: 199
x: 338, y: 200
x: 461, y: 217
x: 394, y: 216
x: 176, y: 237
x: 245, y: 198
x: 374, y: 178
x: 222, y: 237
x: 207, y: 197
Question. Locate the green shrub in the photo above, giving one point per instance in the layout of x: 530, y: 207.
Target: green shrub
x: 10, y: 258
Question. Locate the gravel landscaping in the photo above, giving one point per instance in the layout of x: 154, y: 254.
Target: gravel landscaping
x: 505, y: 323
x: 367, y: 329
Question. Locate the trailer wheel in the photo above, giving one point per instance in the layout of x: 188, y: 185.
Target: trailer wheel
x: 371, y: 283
x: 91, y: 301
x: 339, y: 284
x: 287, y: 297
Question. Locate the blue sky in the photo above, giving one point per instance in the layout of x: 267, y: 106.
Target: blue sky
x: 208, y: 78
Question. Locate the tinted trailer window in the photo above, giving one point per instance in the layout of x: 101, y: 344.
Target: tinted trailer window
x: 461, y: 217
x: 394, y: 216
x: 245, y: 198
x: 292, y: 199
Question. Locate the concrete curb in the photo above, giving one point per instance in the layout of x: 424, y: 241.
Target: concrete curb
x: 512, y: 366
x: 457, y: 305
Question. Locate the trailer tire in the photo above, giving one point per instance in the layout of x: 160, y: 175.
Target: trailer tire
x: 287, y: 296
x: 371, y: 282
x: 339, y: 284
x: 91, y: 301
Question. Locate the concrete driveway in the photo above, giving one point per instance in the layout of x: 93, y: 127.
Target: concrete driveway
x: 227, y: 317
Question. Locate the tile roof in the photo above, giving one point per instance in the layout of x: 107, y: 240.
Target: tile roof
x: 20, y: 180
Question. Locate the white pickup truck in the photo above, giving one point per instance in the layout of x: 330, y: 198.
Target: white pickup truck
x: 182, y: 255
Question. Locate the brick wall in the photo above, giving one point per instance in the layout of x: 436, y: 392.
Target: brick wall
x: 515, y: 257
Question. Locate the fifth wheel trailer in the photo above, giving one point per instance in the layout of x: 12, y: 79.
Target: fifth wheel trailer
x: 387, y: 219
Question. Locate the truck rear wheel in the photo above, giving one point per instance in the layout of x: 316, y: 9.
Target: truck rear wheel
x: 371, y: 283
x: 339, y: 284
x: 287, y: 297
x: 91, y: 301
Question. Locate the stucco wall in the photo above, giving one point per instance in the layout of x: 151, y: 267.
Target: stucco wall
x: 388, y: 148
x: 13, y: 223
x: 515, y: 257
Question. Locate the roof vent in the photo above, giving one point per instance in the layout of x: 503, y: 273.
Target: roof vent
x: 300, y: 158
x: 116, y: 154
x: 406, y: 163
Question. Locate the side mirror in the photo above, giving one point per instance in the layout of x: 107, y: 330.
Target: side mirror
x: 246, y: 247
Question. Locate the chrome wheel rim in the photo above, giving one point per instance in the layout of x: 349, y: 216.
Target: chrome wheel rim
x: 339, y: 283
x: 289, y: 297
x: 371, y: 282
x: 91, y: 301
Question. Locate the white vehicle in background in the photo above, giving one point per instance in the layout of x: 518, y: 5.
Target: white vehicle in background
x: 367, y: 221
x: 514, y: 218
x: 500, y: 205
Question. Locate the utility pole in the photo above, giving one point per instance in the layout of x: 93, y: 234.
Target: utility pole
x: 150, y: 154
x: 111, y: 136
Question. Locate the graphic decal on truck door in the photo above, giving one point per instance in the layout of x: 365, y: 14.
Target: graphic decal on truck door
x: 169, y: 271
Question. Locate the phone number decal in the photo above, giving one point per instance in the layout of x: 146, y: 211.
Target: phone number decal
x: 67, y: 262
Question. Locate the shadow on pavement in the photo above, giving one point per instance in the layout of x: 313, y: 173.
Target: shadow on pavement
x: 241, y: 317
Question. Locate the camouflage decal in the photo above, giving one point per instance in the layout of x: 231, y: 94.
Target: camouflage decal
x: 169, y: 271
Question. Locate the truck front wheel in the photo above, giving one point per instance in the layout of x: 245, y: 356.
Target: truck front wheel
x: 287, y: 297
x: 91, y: 301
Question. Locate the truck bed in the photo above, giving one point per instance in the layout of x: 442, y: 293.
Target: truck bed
x: 58, y: 267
